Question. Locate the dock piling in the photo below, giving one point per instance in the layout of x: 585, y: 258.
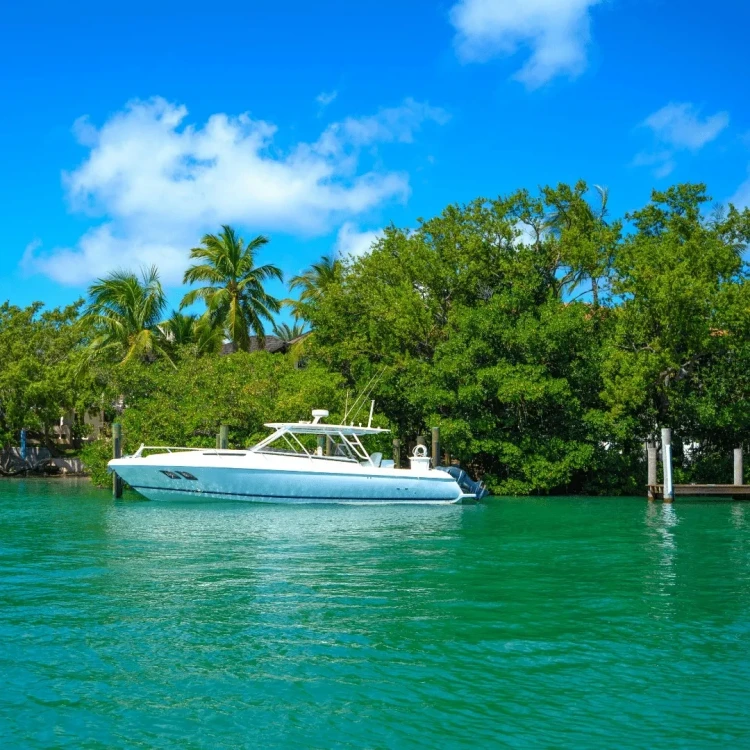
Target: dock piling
x: 435, y: 447
x: 667, y: 491
x: 396, y: 453
x: 223, y: 437
x: 666, y: 459
x: 116, y: 453
x: 739, y: 477
x: 651, y: 453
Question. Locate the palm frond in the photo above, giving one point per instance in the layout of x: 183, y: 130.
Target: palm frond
x: 125, y: 310
x: 234, y: 294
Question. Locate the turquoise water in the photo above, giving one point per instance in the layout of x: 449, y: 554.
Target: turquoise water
x: 555, y: 622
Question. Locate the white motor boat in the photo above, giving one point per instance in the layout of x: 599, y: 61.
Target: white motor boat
x: 283, y: 469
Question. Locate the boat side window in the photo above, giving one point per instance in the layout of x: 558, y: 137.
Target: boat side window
x: 171, y: 474
x: 188, y: 475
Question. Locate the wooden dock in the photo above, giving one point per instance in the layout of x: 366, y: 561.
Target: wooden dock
x: 668, y: 491
x: 735, y: 491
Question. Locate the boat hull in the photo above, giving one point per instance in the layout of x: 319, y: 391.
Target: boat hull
x: 256, y: 478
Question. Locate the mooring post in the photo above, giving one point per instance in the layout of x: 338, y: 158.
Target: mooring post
x: 329, y: 445
x: 422, y: 440
x: 321, y: 444
x: 223, y: 437
x: 739, y: 474
x: 666, y: 459
x: 396, y: 453
x: 435, y: 447
x: 651, y: 453
x: 116, y: 453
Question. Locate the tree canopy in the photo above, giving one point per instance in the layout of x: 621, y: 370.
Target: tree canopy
x: 546, y: 338
x: 546, y: 341
x: 40, y: 369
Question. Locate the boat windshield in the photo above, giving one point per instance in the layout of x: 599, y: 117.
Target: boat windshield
x: 314, y: 440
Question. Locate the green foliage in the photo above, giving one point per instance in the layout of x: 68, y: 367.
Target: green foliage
x: 40, y: 378
x: 185, y: 406
x: 288, y: 332
x: 195, y: 331
x: 313, y: 282
x: 234, y: 290
x: 547, y: 341
x: 124, y: 312
x: 678, y: 350
x: 95, y: 456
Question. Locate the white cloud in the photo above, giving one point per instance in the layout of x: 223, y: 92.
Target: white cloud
x: 393, y: 125
x: 159, y: 183
x: 324, y: 98
x: 556, y: 32
x: 102, y: 249
x: 351, y: 241
x: 678, y: 127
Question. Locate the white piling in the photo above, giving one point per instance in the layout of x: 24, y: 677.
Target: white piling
x: 738, y: 467
x: 666, y: 459
x: 651, y: 452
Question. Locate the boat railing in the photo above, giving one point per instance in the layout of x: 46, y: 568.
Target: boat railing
x: 181, y: 448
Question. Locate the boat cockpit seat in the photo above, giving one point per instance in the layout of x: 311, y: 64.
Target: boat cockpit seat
x: 376, y: 458
x: 390, y: 464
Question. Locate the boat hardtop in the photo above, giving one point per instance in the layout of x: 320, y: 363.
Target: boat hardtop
x: 313, y: 428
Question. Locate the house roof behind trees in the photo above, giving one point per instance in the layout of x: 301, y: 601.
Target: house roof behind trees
x: 273, y: 344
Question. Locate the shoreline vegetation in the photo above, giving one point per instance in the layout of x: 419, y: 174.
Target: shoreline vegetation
x: 547, y: 339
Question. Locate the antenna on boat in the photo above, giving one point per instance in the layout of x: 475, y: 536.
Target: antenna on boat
x: 359, y: 402
x: 372, y: 409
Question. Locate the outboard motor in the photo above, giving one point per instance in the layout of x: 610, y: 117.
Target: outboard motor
x: 465, y: 482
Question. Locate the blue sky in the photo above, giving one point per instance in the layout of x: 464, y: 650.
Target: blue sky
x: 128, y: 131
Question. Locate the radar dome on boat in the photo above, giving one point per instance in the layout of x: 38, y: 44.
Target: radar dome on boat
x: 319, y: 414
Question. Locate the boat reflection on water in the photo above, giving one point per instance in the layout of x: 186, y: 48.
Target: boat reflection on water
x: 283, y: 563
x: 184, y: 522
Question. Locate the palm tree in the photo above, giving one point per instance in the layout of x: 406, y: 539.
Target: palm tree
x: 181, y: 329
x: 234, y: 293
x: 207, y: 337
x: 587, y: 238
x: 313, y: 282
x: 293, y: 333
x: 178, y: 329
x: 289, y: 333
x: 124, y: 311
